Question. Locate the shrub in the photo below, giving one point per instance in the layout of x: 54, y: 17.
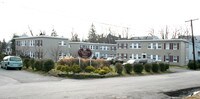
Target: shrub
x: 59, y: 67
x: 166, y: 67
x: 76, y: 68
x: 147, y: 67
x: 102, y: 72
x: 107, y: 69
x: 48, y: 65
x: 191, y: 65
x: 118, y: 68
x: 155, y: 67
x: 37, y: 65
x: 128, y: 68
x: 97, y: 70
x: 138, y: 68
x: 31, y: 62
x: 89, y: 69
x: 61, y: 62
x: 162, y: 67
x: 65, y: 68
x: 26, y: 62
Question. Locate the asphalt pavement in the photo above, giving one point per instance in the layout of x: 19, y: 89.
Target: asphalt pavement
x: 15, y: 84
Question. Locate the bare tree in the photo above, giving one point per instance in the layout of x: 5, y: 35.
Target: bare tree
x: 55, y: 51
x: 176, y: 33
x: 74, y: 37
x: 151, y: 32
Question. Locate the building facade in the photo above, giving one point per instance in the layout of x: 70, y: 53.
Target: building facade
x: 42, y: 47
x: 174, y: 51
x: 197, y: 48
x: 99, y: 50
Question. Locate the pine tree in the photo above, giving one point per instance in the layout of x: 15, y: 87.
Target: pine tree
x: 92, y: 37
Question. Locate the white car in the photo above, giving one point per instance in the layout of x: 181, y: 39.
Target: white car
x: 131, y: 61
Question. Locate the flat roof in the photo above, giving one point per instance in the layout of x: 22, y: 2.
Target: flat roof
x: 41, y: 36
x: 90, y: 43
x: 154, y: 40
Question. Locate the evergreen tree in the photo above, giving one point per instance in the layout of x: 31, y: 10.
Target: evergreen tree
x: 13, y: 44
x: 92, y: 37
x: 3, y: 46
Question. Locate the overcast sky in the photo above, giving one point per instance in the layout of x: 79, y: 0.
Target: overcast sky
x: 140, y: 16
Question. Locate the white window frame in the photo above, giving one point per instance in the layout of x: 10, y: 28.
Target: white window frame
x: 167, y: 46
x: 159, y: 46
x: 175, y: 59
x: 175, y: 46
x: 166, y: 58
x: 149, y: 46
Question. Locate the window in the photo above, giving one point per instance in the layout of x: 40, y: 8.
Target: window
x: 166, y: 58
x: 159, y: 57
x: 134, y: 45
x: 167, y: 46
x: 134, y: 56
x: 130, y: 56
x: 154, y: 57
x: 154, y: 45
x: 174, y: 46
x: 175, y: 59
x: 139, y: 56
x: 96, y: 47
x: 61, y: 43
x: 159, y: 46
x: 149, y: 46
x: 139, y: 45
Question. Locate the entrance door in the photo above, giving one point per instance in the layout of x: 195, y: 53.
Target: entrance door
x: 97, y: 54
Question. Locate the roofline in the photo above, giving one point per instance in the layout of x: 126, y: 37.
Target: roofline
x: 90, y: 43
x: 162, y: 40
x: 43, y: 36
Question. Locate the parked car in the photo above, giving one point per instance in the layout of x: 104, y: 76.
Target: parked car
x: 12, y: 62
x: 145, y: 61
x: 114, y: 60
x: 131, y: 61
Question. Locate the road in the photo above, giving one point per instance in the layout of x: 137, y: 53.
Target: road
x: 16, y: 84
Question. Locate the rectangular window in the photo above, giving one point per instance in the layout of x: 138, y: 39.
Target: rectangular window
x: 135, y: 56
x: 154, y: 57
x: 97, y: 47
x: 174, y: 46
x: 130, y: 46
x: 62, y: 43
x: 167, y: 46
x: 159, y: 46
x: 154, y: 45
x: 166, y: 58
x: 139, y: 45
x: 134, y: 45
x: 139, y: 56
x: 130, y: 56
x: 159, y: 58
x: 149, y: 45
x: 175, y: 59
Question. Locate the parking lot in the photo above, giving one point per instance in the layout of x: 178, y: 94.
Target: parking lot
x: 15, y: 84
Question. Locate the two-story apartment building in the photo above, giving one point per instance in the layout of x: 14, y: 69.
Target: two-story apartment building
x: 99, y: 50
x: 42, y: 47
x: 197, y: 46
x: 173, y: 51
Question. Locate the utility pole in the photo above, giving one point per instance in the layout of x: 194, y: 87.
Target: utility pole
x: 193, y: 45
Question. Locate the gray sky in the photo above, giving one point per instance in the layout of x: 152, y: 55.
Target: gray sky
x: 66, y: 15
